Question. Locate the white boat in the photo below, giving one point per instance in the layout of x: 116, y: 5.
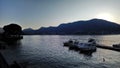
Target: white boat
x: 89, y: 46
x: 86, y: 47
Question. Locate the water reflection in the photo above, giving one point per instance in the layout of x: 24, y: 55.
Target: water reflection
x: 41, y: 51
x: 14, y: 45
x: 85, y: 53
x: 9, y: 44
x: 89, y: 54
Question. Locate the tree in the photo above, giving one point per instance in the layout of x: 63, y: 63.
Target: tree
x: 12, y: 29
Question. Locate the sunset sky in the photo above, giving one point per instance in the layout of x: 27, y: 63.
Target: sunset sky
x: 38, y: 13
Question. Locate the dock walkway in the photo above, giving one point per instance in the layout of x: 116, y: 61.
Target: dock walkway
x: 108, y: 47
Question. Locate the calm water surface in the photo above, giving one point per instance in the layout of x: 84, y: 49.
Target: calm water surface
x: 47, y: 51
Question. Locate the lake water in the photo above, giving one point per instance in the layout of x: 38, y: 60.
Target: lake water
x: 47, y: 51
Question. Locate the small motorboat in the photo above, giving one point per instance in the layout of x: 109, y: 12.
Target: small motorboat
x: 89, y: 46
x: 86, y: 47
x: 71, y: 42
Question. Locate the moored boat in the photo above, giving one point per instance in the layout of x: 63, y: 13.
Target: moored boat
x: 68, y: 43
x: 89, y: 46
x: 86, y: 47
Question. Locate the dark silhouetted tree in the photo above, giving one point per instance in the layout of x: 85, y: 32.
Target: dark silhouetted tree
x: 12, y: 33
x: 12, y: 29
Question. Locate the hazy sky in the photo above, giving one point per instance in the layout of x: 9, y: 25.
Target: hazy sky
x: 37, y: 13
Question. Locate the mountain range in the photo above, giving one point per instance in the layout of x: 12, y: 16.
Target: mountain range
x: 93, y: 26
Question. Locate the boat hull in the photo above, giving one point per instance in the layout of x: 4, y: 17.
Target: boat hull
x: 82, y: 47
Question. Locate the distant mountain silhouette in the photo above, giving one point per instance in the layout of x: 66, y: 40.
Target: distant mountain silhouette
x: 29, y: 31
x: 93, y: 26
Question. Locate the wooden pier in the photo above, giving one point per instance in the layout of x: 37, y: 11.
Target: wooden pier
x: 108, y: 47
